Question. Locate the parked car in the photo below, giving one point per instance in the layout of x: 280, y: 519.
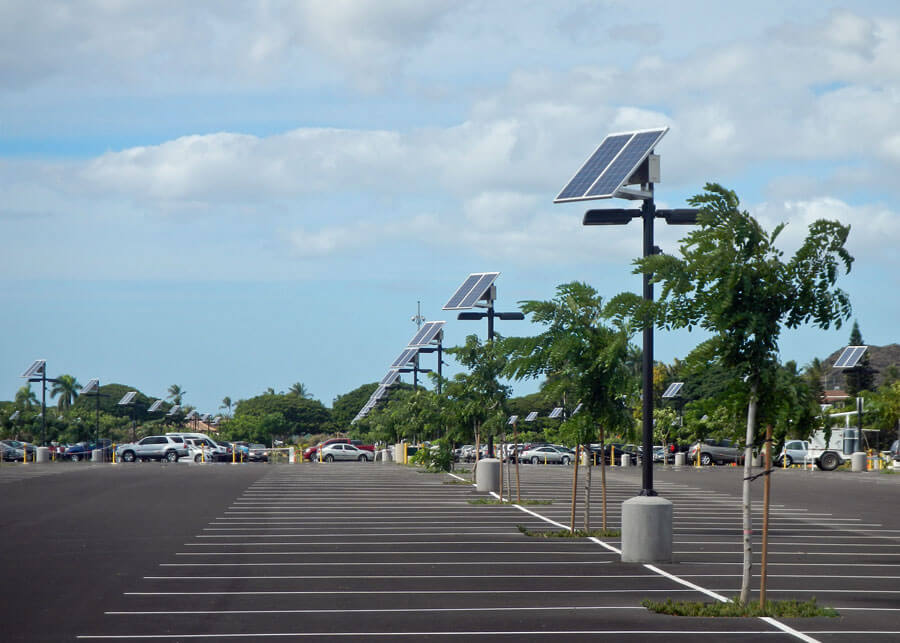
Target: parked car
x: 198, y: 450
x: 84, y: 450
x: 715, y: 452
x: 258, y: 453
x: 548, y: 454
x: 14, y: 450
x: 794, y: 451
x: 895, y: 450
x: 153, y: 447
x: 344, y: 451
x: 613, y: 452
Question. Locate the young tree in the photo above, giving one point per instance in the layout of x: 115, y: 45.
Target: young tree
x: 731, y: 280
x: 582, y: 355
x: 299, y: 389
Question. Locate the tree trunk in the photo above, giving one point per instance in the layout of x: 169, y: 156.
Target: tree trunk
x: 574, y: 488
x: 765, y: 530
x: 746, y: 501
x: 587, y: 494
x: 602, y: 478
x: 518, y: 486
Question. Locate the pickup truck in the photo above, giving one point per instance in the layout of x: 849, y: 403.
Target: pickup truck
x: 828, y: 456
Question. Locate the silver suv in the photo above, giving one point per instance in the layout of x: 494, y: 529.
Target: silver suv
x: 715, y: 451
x: 153, y: 447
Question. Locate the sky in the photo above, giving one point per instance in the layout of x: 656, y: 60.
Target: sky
x: 243, y: 195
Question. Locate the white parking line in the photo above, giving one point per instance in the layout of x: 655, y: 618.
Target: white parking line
x: 396, y: 634
x: 354, y: 592
x: 401, y: 610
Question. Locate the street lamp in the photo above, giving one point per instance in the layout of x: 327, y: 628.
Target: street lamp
x: 37, y: 372
x: 621, y: 160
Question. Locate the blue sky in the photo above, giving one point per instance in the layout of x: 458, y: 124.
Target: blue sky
x: 235, y: 196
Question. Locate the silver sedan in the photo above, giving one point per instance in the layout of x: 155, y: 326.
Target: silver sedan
x: 341, y: 451
x: 548, y: 454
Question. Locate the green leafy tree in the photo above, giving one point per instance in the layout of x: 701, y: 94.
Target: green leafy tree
x: 299, y: 389
x: 66, y: 387
x: 477, y: 399
x: 346, y: 406
x: 25, y: 399
x: 300, y: 416
x: 176, y: 394
x: 226, y: 404
x: 862, y: 376
x: 584, y: 357
x: 731, y: 281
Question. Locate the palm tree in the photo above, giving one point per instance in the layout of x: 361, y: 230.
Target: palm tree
x: 299, y: 389
x: 25, y: 398
x: 226, y: 404
x: 67, y: 387
x: 176, y: 394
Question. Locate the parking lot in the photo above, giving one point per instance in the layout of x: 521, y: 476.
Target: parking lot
x: 350, y: 551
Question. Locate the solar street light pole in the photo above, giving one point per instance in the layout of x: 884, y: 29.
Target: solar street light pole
x: 648, y: 212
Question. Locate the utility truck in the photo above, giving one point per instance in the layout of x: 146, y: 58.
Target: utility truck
x: 828, y: 455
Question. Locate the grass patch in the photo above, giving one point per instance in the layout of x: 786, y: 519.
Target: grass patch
x: 455, y: 481
x: 733, y: 608
x: 565, y: 533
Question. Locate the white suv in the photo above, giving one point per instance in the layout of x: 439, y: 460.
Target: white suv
x: 153, y: 447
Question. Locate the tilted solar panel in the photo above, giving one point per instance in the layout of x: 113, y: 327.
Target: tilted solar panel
x: 128, y: 398
x: 531, y: 417
x: 674, y: 389
x: 36, y: 369
x: 426, y: 334
x: 555, y: 413
x: 472, y: 289
x: 155, y: 406
x: 175, y: 410
x: 91, y: 388
x: 601, y: 158
x: 625, y: 164
x: 390, y: 378
x: 405, y: 358
x: 850, y: 356
x: 513, y: 419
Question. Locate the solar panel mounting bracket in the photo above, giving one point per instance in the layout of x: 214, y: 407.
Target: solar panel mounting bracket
x: 633, y: 195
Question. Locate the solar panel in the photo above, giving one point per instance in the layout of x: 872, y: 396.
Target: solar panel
x: 14, y: 416
x: 193, y: 415
x: 128, y: 398
x: 36, y: 369
x: 405, y: 358
x: 91, y: 388
x: 513, y: 419
x: 390, y: 378
x: 850, y: 357
x: 379, y: 393
x: 472, y: 289
x: 204, y: 417
x: 555, y: 413
x: 577, y: 408
x: 611, y: 165
x: 674, y: 389
x: 175, y: 410
x: 155, y: 406
x: 216, y: 420
x: 531, y: 416
x: 426, y: 334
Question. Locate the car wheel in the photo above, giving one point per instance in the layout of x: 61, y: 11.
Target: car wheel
x: 363, y: 458
x: 171, y: 456
x: 74, y: 457
x: 535, y: 459
x: 198, y: 458
x: 706, y: 459
x: 788, y: 461
x: 329, y: 458
x: 565, y: 460
x: 128, y: 456
x: 829, y: 461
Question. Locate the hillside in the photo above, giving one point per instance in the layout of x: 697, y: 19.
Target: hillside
x: 881, y: 358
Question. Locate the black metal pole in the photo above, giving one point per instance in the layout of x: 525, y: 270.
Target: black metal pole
x: 648, y: 212
x: 440, y: 353
x: 490, y: 318
x: 44, y: 405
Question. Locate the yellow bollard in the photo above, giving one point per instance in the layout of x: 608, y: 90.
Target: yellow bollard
x: 233, y: 456
x: 613, y: 456
x: 113, y: 453
x: 405, y: 453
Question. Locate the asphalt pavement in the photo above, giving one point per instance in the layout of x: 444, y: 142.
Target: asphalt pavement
x: 353, y: 551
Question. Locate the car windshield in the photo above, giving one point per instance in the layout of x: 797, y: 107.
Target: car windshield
x: 257, y: 446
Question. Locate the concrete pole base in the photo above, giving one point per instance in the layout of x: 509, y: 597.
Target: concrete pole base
x: 97, y: 455
x: 646, y: 530
x: 858, y: 461
x: 680, y: 459
x: 625, y: 460
x: 42, y: 455
x: 487, y: 475
x: 756, y: 461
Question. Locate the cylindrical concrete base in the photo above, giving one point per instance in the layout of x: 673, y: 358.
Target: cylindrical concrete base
x: 42, y: 455
x: 858, y: 461
x: 756, y: 461
x: 680, y: 459
x: 646, y: 530
x: 386, y: 456
x: 625, y: 460
x: 97, y: 455
x: 586, y: 457
x: 292, y: 455
x: 487, y: 475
